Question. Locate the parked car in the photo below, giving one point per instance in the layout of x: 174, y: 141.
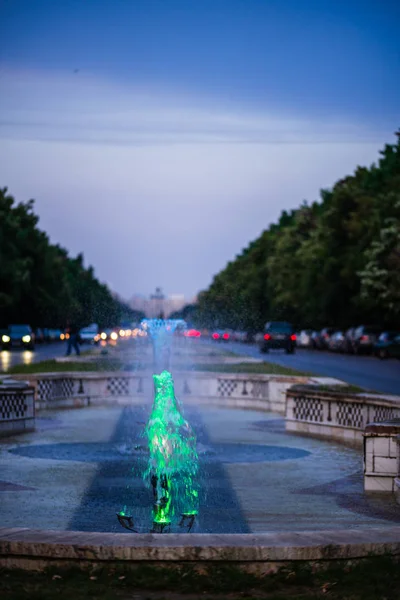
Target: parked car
x: 365, y: 337
x: 54, y: 335
x: 221, y: 335
x: 39, y: 336
x: 314, y: 336
x: 388, y: 345
x: 249, y: 337
x: 278, y: 335
x: 337, y: 342
x: 323, y: 337
x: 304, y: 339
x: 18, y: 336
x: 348, y: 343
x: 239, y: 336
x: 89, y: 335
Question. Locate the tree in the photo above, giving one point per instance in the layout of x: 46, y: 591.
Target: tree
x: 39, y: 283
x: 334, y: 262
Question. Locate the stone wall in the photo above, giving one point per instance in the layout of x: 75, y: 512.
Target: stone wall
x: 17, y: 408
x: 256, y: 552
x: 381, y: 456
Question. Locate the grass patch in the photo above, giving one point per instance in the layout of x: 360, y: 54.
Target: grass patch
x: 337, y: 389
x: 264, y: 368
x: 365, y: 580
x: 114, y: 364
x: 52, y: 366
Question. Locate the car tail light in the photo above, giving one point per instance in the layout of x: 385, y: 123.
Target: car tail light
x: 215, y: 336
x: 267, y: 336
x: 226, y: 336
x: 192, y: 333
x: 293, y: 337
x: 364, y: 338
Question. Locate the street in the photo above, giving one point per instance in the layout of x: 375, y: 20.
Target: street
x: 11, y: 358
x: 365, y: 371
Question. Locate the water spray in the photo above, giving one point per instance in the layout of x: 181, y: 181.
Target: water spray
x: 173, y: 460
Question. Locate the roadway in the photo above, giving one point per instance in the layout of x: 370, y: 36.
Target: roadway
x: 365, y: 371
x: 11, y: 358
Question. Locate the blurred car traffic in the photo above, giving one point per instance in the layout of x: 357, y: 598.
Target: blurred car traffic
x: 89, y: 334
x: 222, y: 335
x: 54, y: 335
x: 278, y: 335
x: 192, y: 333
x: 388, y: 345
x: 336, y: 342
x: 304, y: 339
x: 18, y: 336
x: 322, y: 338
x: 365, y: 337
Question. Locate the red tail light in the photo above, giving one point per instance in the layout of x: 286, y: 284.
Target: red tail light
x: 215, y: 336
x: 226, y: 336
x: 364, y: 338
x: 293, y: 337
x: 267, y: 336
x: 192, y: 333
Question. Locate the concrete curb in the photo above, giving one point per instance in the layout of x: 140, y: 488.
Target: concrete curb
x: 33, y: 549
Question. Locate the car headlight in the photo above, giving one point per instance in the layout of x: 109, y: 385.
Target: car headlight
x: 114, y: 336
x: 26, y: 339
x: 6, y: 338
x: 103, y: 336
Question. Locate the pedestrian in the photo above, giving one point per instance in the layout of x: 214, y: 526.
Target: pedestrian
x: 73, y: 340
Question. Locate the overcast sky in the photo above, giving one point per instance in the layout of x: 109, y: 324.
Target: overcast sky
x: 160, y: 137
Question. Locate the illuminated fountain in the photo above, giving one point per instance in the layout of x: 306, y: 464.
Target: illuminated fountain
x: 161, y: 333
x: 172, y: 464
x: 173, y: 461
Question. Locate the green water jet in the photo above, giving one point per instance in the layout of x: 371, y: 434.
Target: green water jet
x: 173, y: 459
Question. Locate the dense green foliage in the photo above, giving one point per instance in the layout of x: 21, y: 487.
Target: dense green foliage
x: 334, y: 262
x: 40, y: 284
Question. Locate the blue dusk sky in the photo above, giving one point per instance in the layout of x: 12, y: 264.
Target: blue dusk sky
x: 159, y: 137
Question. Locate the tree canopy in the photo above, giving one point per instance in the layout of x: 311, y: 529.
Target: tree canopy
x: 334, y: 262
x: 40, y: 283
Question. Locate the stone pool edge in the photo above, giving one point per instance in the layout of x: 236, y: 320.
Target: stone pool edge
x: 37, y: 549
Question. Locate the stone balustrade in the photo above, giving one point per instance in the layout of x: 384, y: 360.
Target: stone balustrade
x: 334, y: 414
x: 265, y: 392
x: 17, y: 407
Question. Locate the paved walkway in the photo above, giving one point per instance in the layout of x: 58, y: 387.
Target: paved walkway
x: 82, y: 466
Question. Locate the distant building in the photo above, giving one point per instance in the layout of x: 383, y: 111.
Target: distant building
x: 158, y: 303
